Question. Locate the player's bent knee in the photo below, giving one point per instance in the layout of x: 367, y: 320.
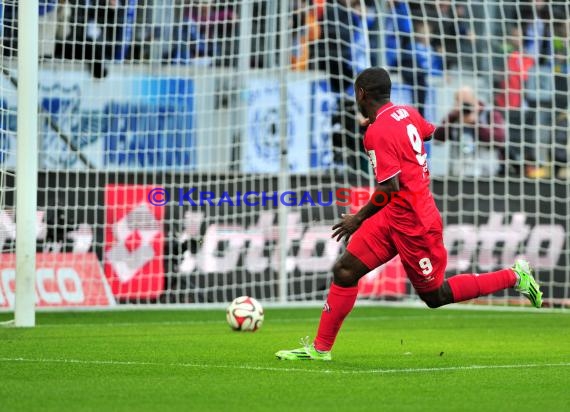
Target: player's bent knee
x: 433, y: 303
x: 439, y: 297
x: 343, y: 275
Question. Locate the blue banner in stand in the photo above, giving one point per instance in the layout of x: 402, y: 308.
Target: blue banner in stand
x: 136, y: 122
x: 155, y: 132
x: 309, y: 113
x: 322, y: 108
x: 143, y: 123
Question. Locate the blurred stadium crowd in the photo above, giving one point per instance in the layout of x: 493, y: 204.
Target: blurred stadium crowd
x: 517, y: 52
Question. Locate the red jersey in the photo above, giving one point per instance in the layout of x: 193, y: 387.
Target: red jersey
x: 395, y: 146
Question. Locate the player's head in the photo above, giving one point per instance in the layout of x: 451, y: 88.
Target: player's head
x: 372, y: 88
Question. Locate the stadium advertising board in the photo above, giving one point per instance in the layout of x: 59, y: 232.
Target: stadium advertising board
x: 134, y: 240
x: 214, y: 253
x: 62, y: 280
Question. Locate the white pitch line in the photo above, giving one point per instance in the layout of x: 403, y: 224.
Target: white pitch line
x: 273, y: 369
x: 278, y: 320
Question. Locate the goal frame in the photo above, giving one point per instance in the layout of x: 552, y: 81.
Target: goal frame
x: 27, y: 163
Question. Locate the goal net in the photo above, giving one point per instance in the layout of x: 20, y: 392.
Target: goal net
x: 8, y: 119
x: 196, y: 151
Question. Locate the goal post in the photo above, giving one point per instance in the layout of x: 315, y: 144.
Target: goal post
x: 190, y: 152
x: 19, y: 180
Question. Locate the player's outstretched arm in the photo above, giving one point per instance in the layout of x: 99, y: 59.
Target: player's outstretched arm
x: 379, y: 199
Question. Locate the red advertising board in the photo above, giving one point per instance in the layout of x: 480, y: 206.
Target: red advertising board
x: 134, y: 242
x: 62, y: 280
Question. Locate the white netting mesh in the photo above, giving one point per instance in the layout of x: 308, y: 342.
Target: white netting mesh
x: 145, y: 102
x: 7, y: 129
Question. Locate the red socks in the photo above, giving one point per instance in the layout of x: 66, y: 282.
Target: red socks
x: 470, y: 286
x: 340, y: 302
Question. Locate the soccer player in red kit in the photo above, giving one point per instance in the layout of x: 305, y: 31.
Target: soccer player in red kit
x: 400, y: 218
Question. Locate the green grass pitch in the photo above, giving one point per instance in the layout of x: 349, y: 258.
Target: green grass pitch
x: 385, y: 359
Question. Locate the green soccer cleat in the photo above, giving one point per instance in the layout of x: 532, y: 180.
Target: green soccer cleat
x: 307, y: 352
x: 526, y: 283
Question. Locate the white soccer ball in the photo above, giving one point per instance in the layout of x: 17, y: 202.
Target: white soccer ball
x: 245, y: 314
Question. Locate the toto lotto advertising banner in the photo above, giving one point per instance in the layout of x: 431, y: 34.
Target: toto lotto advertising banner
x: 62, y: 280
x: 134, y: 239
x: 158, y: 242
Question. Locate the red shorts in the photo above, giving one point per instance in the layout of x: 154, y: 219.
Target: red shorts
x: 424, y: 257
